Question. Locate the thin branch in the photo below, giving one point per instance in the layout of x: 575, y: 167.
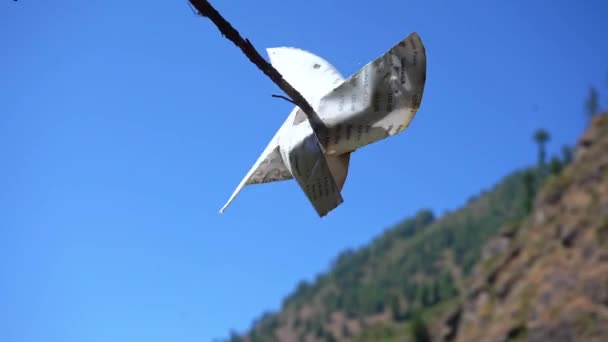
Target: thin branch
x: 284, y: 98
x: 206, y: 10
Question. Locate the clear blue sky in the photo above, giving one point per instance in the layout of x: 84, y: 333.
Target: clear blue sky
x: 124, y: 126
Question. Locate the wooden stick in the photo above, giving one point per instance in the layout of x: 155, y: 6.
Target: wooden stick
x: 205, y: 9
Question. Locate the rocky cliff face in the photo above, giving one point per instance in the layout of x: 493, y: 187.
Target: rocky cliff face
x: 548, y: 280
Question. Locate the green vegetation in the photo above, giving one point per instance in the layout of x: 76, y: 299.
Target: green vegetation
x: 541, y: 137
x: 419, y: 331
x: 530, y: 190
x: 412, y: 267
x: 412, y: 272
x: 379, y: 332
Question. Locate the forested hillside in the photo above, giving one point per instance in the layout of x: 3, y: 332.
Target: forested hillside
x: 416, y: 280
x: 406, y: 278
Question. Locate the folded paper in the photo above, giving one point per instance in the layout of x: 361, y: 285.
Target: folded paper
x: 378, y: 101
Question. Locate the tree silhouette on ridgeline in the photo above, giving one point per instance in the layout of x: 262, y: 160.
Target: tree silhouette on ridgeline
x: 541, y: 137
x: 592, y: 104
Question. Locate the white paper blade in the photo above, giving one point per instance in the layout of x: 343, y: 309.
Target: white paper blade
x: 268, y: 168
x: 377, y: 101
x: 308, y: 73
x: 311, y: 171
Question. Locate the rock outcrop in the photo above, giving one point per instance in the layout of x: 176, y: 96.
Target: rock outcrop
x: 549, y: 280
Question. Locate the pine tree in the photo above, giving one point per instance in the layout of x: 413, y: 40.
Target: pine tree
x: 592, y: 104
x: 419, y: 330
x: 530, y: 190
x: 541, y: 137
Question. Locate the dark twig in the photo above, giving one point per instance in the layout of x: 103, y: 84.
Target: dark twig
x: 205, y: 9
x: 284, y: 98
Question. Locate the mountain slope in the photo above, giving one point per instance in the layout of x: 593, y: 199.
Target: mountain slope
x: 551, y: 283
x: 415, y: 268
x: 492, y: 270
